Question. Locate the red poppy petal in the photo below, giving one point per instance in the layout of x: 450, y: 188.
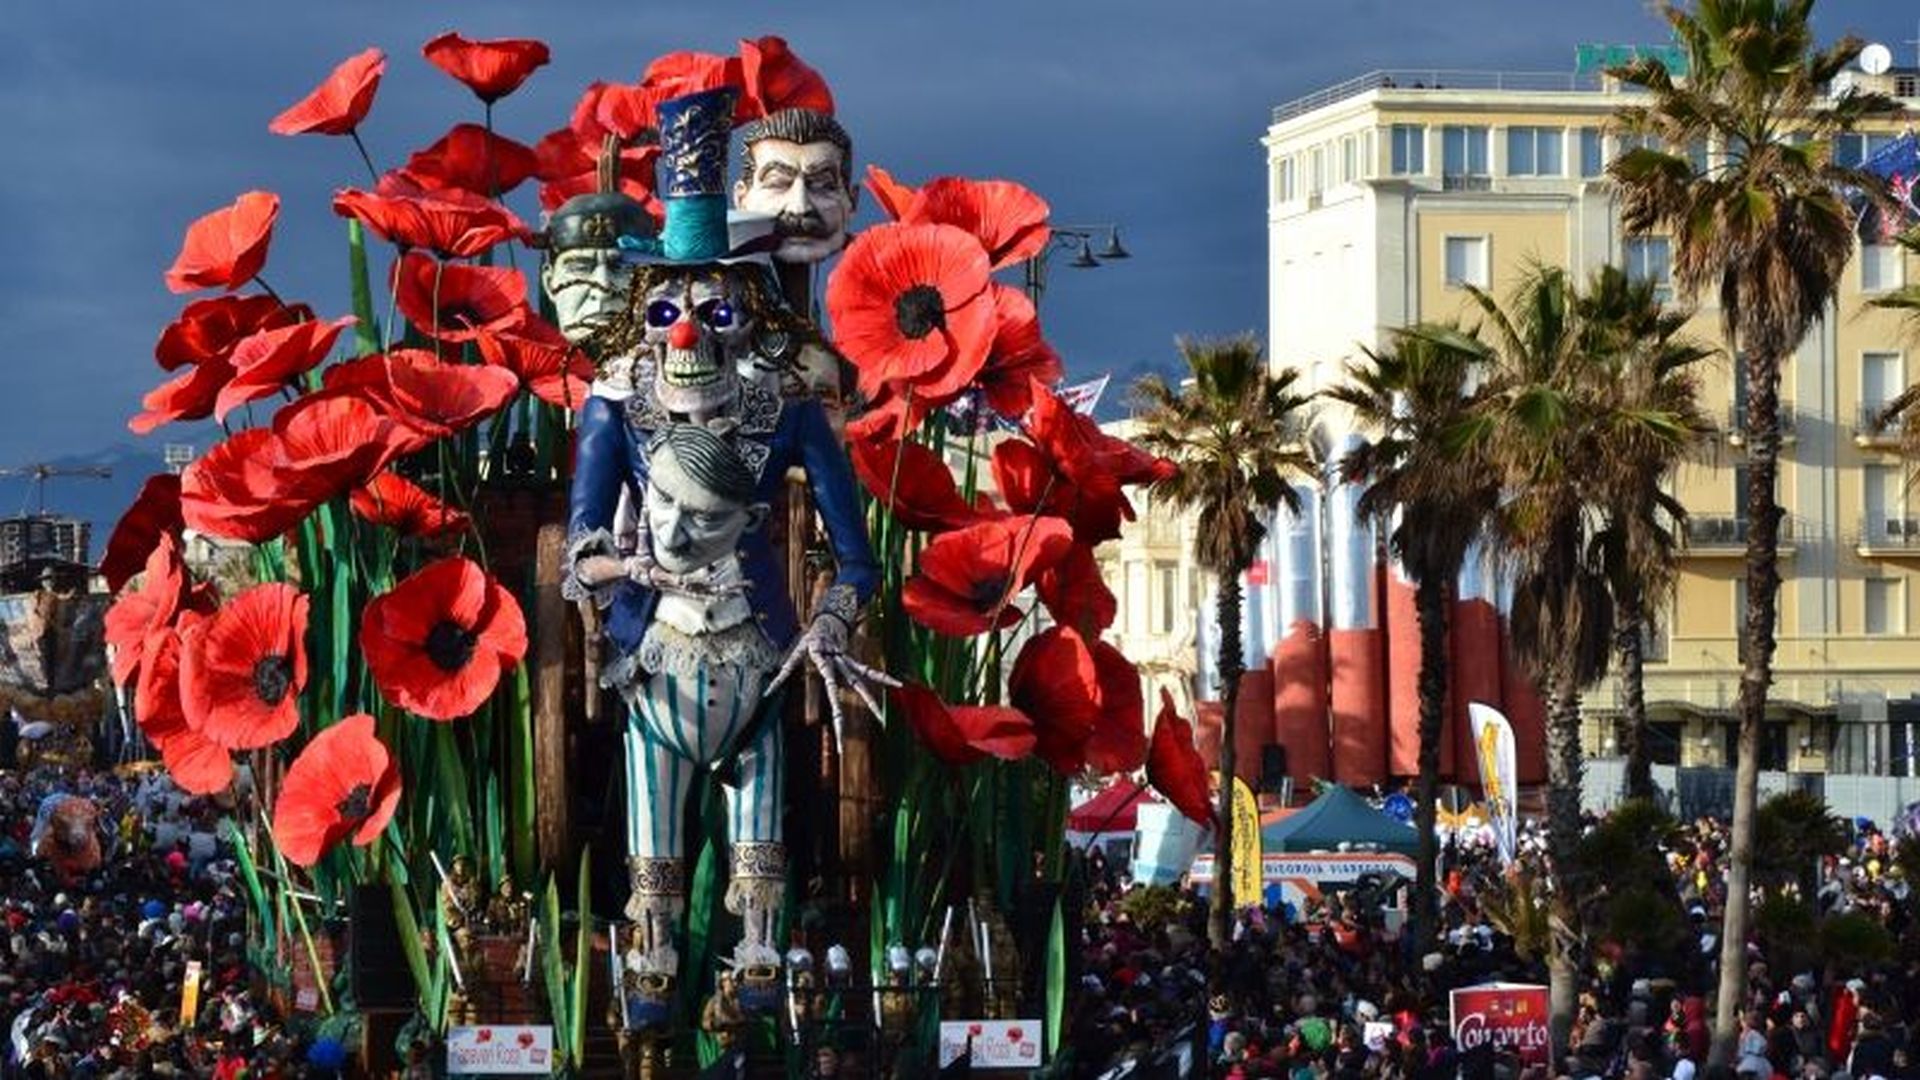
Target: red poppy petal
x: 1009, y: 220
x: 156, y: 510
x: 340, y: 102
x: 266, y: 361
x: 1174, y: 767
x: 226, y: 248
x: 776, y: 79
x: 491, y: 69
x: 196, y: 765
x: 893, y: 196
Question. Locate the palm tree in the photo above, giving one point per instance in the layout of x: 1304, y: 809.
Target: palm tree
x: 1438, y: 499
x: 1646, y: 368
x: 1764, y: 228
x: 1236, y: 432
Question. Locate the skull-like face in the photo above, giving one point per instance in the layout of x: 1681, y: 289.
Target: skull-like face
x: 697, y: 331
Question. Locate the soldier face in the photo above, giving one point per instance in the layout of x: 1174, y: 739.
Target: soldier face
x: 588, y: 286
x: 805, y: 185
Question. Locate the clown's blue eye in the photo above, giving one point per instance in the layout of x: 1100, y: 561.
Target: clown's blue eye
x: 662, y: 313
x: 717, y: 314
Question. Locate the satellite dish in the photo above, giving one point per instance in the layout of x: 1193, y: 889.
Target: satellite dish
x: 1875, y: 59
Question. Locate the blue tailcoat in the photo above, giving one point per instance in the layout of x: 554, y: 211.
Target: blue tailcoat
x: 611, y: 448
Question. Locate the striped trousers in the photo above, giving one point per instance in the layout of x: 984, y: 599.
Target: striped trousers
x: 680, y: 725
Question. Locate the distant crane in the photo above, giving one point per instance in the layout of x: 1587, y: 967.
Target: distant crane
x: 40, y: 472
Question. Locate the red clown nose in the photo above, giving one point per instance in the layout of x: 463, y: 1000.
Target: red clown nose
x: 683, y: 335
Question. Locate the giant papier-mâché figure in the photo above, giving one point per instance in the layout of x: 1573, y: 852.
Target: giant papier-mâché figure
x: 698, y: 616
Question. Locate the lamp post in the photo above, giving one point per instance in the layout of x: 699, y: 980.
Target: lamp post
x: 1079, y: 239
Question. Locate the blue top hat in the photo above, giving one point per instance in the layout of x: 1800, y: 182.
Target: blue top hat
x: 699, y: 229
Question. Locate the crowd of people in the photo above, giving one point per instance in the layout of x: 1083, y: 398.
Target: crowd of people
x: 100, y: 933
x: 1329, y: 992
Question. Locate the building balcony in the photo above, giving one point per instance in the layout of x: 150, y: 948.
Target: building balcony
x: 1868, y: 432
x: 1715, y: 536
x: 1737, y: 426
x: 1888, y: 536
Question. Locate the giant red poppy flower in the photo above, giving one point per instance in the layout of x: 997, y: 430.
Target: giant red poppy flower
x: 328, y: 444
x: 265, y: 362
x: 911, y: 309
x: 893, y: 196
x: 967, y: 579
x: 569, y: 165
x: 678, y: 74
x: 1008, y: 219
x: 392, y: 500
x: 155, y: 512
x: 472, y: 159
x: 226, y: 248
x: 1174, y: 767
x: 233, y: 492
x: 456, y: 302
x: 345, y: 785
x: 491, y: 69
x: 438, y: 643
x: 196, y: 765
x: 448, y: 222
x: 774, y: 79
x: 1030, y: 484
x: 189, y: 395
x: 136, y: 613
x: 912, y: 482
x: 1056, y: 682
x: 1019, y: 357
x: 550, y: 368
x: 337, y: 105
x: 1119, y: 740
x: 1085, y: 453
x: 1075, y: 594
x: 963, y: 734
x: 427, y: 398
x: 626, y: 110
x: 209, y: 328
x: 242, y: 670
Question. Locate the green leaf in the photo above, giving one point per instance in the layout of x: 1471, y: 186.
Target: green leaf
x: 521, y: 794
x: 583, y: 958
x: 366, y: 332
x: 1056, y: 1002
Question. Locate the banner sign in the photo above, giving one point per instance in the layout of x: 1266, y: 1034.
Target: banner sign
x: 1510, y: 1016
x: 190, y: 994
x: 501, y: 1048
x: 1304, y: 876
x: 1246, y: 846
x: 995, y: 1044
x: 1499, y: 771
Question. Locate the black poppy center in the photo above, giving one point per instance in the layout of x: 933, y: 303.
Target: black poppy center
x: 988, y: 593
x: 358, y: 805
x: 450, y: 645
x: 920, y: 311
x: 272, y: 678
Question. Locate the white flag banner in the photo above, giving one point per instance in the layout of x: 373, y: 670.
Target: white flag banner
x: 1499, y: 772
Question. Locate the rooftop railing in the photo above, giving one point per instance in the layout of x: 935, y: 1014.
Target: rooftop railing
x: 1437, y: 79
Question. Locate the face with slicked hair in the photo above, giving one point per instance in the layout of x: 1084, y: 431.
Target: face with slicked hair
x: 696, y: 508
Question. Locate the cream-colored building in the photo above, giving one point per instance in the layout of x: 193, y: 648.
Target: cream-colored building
x: 1390, y: 191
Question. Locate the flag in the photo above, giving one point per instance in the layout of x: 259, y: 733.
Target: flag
x: 1493, y: 749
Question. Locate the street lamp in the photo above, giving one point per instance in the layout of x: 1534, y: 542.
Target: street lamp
x: 1080, y: 240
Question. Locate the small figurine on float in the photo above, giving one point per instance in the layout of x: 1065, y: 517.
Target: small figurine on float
x: 698, y: 618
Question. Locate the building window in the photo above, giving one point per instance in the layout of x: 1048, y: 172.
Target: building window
x: 1283, y: 185
x: 1881, y: 267
x: 1169, y: 593
x: 1137, y: 598
x: 1697, y: 156
x: 1881, y: 613
x: 1850, y: 148
x: 1466, y: 261
x: 1593, y: 156
x: 1649, y: 258
x: 1626, y: 144
x: 1881, y: 496
x: 1880, y: 380
x: 1369, y: 164
x: 1349, y: 159
x: 1409, y: 149
x: 1316, y: 171
x: 1463, y: 151
x: 1535, y: 151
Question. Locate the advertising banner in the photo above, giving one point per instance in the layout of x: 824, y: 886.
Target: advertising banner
x: 1499, y: 772
x: 996, y: 1044
x: 501, y: 1048
x: 1511, y: 1016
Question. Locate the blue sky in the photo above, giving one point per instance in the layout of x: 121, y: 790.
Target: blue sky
x: 124, y: 121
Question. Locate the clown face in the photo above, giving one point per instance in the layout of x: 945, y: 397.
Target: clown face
x: 697, y: 330
x: 588, y: 286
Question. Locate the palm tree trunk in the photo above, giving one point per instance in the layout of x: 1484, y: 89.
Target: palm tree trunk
x: 1430, y: 602
x: 1563, y: 836
x: 1633, y: 692
x: 1763, y: 583
x: 1220, y: 924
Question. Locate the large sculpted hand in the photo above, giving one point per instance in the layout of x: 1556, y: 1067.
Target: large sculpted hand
x: 824, y: 643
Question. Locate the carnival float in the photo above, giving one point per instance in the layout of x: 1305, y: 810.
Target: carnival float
x: 640, y: 538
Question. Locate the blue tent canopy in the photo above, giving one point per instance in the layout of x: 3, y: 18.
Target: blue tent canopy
x: 1338, y: 817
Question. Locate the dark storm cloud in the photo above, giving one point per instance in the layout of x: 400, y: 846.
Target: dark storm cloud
x: 123, y: 121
